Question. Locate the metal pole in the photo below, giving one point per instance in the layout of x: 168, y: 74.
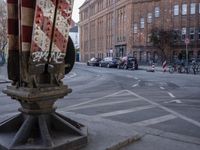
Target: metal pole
x: 187, y: 57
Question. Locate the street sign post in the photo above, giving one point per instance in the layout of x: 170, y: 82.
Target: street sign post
x: 187, y: 41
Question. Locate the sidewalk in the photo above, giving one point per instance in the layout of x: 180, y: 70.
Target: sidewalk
x: 111, y: 135
x: 3, y: 74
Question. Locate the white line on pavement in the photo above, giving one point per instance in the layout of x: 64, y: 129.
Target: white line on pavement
x: 120, y: 112
x: 175, y: 101
x: 155, y: 120
x: 103, y: 104
x: 170, y: 94
x: 97, y: 99
x: 162, y: 88
x: 135, y: 85
x: 135, y: 78
x: 194, y: 122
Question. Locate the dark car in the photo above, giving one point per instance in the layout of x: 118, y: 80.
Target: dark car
x: 109, y: 62
x: 128, y: 62
x: 93, y: 61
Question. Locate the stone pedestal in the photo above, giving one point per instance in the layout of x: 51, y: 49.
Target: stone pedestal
x: 38, y: 126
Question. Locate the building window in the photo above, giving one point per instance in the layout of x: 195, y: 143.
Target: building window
x: 192, y: 8
x: 183, y: 34
x: 184, y: 9
x: 192, y: 33
x: 149, y: 37
x: 157, y: 12
x: 176, y: 10
x: 149, y: 19
x: 135, y: 28
x: 142, y: 23
x: 199, y: 8
x: 176, y: 35
x: 199, y: 34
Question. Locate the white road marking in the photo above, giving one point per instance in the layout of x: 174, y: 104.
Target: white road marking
x: 97, y: 99
x: 155, y: 120
x: 103, y: 104
x: 135, y: 78
x: 120, y: 112
x: 135, y: 85
x: 175, y: 101
x: 170, y: 94
x: 162, y: 88
x: 194, y: 122
x: 73, y: 74
x: 129, y: 76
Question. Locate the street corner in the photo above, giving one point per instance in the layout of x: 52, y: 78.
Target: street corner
x: 4, y: 79
x: 105, y: 134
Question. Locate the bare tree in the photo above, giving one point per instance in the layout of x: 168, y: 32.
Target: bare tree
x: 3, y: 28
x: 163, y: 41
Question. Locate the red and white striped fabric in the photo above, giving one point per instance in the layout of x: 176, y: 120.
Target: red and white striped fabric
x: 12, y: 25
x: 26, y: 22
x: 50, y: 31
x: 164, y: 65
x: 13, y: 44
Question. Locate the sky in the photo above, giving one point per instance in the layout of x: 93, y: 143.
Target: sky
x: 75, y: 14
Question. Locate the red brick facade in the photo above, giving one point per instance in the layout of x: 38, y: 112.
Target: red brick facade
x: 122, y: 27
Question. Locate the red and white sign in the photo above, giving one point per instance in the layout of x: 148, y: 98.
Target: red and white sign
x: 50, y: 30
x: 187, y: 41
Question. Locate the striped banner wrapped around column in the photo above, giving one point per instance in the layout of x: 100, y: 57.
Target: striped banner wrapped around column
x: 13, y: 44
x: 27, y: 8
x: 51, y: 29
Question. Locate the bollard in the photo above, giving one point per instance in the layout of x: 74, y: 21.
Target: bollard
x: 39, y: 51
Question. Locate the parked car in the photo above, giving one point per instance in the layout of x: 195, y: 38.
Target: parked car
x: 109, y: 62
x: 128, y: 62
x: 93, y: 61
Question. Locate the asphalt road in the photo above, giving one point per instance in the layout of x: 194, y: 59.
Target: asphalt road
x: 156, y: 101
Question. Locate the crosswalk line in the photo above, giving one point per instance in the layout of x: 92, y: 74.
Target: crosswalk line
x: 103, y: 104
x: 120, y: 112
x: 155, y: 120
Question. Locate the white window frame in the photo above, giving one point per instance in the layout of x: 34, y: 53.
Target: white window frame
x: 176, y: 10
x: 199, y: 8
x: 142, y: 23
x: 157, y: 12
x: 184, y: 9
x: 183, y: 33
x: 192, y: 8
x: 149, y: 17
x: 135, y: 28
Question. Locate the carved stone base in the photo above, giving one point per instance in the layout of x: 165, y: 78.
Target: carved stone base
x: 42, y: 132
x: 38, y: 126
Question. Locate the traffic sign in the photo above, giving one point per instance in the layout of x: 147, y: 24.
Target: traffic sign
x: 187, y: 41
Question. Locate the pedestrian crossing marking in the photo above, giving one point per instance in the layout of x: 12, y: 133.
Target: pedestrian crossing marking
x: 103, y: 104
x: 190, y: 120
x: 120, y: 112
x: 98, y: 99
x: 156, y: 120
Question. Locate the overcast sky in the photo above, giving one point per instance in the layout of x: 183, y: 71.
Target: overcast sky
x: 75, y: 14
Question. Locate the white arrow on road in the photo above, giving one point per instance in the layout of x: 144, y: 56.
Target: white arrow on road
x: 175, y: 101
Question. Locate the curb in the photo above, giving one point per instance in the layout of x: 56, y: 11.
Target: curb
x: 124, y: 143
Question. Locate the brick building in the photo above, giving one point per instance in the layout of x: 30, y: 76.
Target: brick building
x: 123, y: 27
